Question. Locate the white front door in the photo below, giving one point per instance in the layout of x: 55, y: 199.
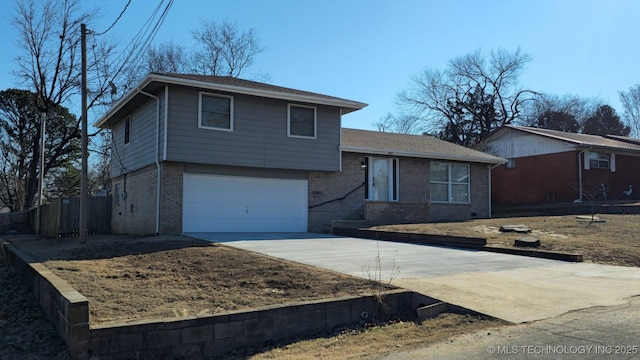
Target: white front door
x: 383, y: 179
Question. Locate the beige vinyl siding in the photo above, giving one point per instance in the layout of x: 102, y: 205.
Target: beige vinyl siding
x: 259, y: 137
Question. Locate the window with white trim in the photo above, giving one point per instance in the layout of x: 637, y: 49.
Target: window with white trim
x: 599, y: 160
x: 127, y: 130
x: 449, y: 182
x: 215, y: 112
x: 301, y: 121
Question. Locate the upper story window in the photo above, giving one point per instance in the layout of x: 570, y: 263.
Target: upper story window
x: 599, y: 160
x: 215, y: 112
x: 127, y: 130
x: 449, y: 182
x: 301, y: 121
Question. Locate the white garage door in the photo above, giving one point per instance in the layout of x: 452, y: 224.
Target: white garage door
x: 213, y: 203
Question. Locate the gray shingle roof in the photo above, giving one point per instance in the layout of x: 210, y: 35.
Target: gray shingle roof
x: 248, y: 84
x: 423, y: 146
x: 231, y: 85
x: 585, y: 140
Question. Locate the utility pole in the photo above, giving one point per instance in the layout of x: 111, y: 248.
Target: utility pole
x: 83, y: 180
x: 43, y: 129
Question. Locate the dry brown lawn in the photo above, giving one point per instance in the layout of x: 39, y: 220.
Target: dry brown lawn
x: 172, y: 276
x: 128, y: 278
x: 614, y: 242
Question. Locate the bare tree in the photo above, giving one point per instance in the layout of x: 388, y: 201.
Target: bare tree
x: 224, y: 49
x: 167, y: 57
x: 564, y: 113
x: 472, y: 96
x: 401, y: 124
x: 630, y: 100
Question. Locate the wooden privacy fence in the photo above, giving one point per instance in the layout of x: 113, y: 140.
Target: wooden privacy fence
x: 61, y: 217
x: 15, y: 221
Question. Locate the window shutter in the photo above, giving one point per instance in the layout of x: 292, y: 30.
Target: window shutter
x: 586, y: 160
x: 613, y: 162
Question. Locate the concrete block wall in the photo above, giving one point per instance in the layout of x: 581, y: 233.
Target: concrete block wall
x: 67, y: 309
x: 216, y: 335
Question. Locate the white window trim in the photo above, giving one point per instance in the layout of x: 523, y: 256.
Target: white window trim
x: 394, y: 182
x: 231, y: 115
x: 315, y: 121
x: 612, y: 161
x: 449, y: 183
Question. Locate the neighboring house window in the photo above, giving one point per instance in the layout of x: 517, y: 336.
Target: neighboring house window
x: 449, y: 182
x: 127, y: 130
x: 215, y: 112
x: 301, y: 121
x: 511, y: 163
x: 382, y: 179
x: 599, y: 160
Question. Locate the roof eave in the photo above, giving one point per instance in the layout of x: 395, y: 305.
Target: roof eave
x: 347, y: 106
x: 425, y: 155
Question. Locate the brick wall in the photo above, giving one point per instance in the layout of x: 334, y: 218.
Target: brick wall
x: 327, y: 186
x: 479, y: 196
x: 386, y: 212
x: 171, y: 198
x: 135, y: 211
x: 537, y: 180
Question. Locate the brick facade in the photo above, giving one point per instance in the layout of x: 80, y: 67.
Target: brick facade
x: 479, y: 199
x: 333, y: 196
x: 556, y: 178
x: 171, y: 198
x: 329, y: 205
x: 134, y: 202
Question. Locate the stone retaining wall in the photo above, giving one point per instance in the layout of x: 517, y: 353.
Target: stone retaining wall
x: 209, y: 335
x: 67, y: 309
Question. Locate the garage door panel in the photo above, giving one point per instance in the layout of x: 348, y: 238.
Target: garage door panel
x: 243, y: 204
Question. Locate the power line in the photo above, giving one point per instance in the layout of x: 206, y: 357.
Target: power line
x: 116, y: 21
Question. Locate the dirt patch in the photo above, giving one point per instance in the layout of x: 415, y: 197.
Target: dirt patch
x: 614, y: 242
x: 128, y: 278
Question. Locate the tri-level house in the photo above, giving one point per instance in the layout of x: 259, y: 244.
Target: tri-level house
x: 194, y: 153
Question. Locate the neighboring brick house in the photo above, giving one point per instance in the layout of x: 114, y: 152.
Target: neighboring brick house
x: 194, y: 153
x: 546, y: 166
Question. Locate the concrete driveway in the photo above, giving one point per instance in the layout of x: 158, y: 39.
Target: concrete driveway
x: 513, y: 288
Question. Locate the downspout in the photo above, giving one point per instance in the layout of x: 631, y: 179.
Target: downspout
x: 157, y: 156
x: 166, y: 120
x: 579, y: 200
x: 490, y: 187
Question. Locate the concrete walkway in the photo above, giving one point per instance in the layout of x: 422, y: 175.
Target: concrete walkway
x: 513, y: 288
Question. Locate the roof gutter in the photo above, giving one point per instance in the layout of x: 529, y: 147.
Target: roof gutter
x: 476, y: 159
